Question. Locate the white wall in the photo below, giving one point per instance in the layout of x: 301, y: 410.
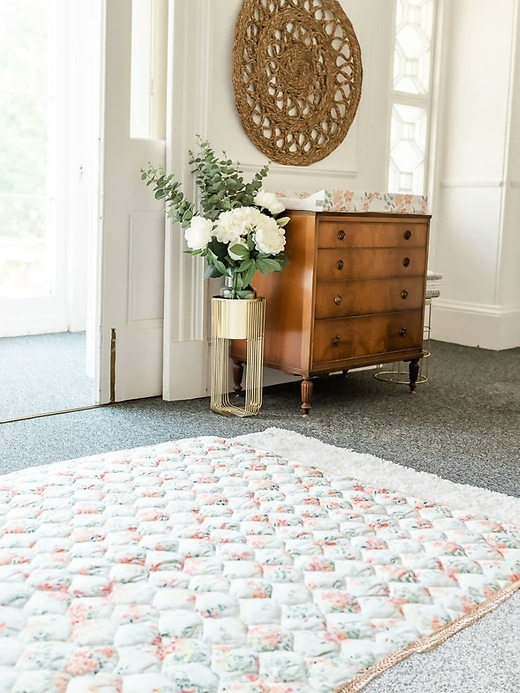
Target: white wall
x: 509, y: 280
x: 475, y: 240
x: 360, y: 160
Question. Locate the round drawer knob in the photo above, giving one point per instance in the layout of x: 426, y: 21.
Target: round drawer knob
x: 336, y: 340
x: 340, y: 264
x: 407, y: 235
x: 338, y: 299
x: 404, y: 293
x: 402, y: 331
x: 406, y: 261
x: 341, y: 235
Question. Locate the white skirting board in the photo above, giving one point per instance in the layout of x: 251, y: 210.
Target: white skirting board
x: 469, y: 324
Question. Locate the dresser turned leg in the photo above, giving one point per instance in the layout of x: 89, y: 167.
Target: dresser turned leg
x: 306, y: 388
x: 238, y: 374
x: 413, y: 370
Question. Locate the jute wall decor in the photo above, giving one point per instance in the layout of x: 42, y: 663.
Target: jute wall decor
x: 297, y: 77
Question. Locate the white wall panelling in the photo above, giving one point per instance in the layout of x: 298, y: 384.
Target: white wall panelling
x: 146, y: 269
x: 186, y: 304
x: 468, y: 231
x: 475, y: 242
x: 360, y: 160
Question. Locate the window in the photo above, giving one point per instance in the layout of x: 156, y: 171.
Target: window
x: 26, y: 163
x: 148, y: 69
x: 410, y: 96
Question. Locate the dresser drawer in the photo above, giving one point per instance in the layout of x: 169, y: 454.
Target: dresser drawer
x: 343, y: 339
x: 367, y: 263
x: 362, y: 297
x: 352, y: 295
x: 372, y: 234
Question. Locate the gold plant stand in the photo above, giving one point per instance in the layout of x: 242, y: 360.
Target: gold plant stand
x: 237, y: 319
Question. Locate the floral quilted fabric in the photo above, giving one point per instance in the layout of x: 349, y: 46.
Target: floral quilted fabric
x: 205, y: 566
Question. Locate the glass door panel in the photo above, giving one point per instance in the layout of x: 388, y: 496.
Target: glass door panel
x: 26, y: 252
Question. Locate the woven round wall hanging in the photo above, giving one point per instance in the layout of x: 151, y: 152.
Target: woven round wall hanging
x: 297, y: 77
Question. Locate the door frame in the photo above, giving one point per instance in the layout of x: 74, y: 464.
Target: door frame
x: 186, y: 307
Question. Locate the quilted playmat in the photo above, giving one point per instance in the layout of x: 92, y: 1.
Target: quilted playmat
x: 208, y: 566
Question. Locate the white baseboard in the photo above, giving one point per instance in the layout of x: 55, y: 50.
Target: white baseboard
x: 22, y: 327
x: 471, y: 324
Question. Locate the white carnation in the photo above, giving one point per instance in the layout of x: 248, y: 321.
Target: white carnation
x: 269, y: 237
x: 232, y: 227
x: 198, y: 234
x: 269, y: 201
x: 236, y: 224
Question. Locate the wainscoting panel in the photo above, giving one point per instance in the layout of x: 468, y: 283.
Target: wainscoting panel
x: 146, y: 269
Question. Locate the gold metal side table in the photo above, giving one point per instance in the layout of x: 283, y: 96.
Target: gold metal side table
x: 237, y: 319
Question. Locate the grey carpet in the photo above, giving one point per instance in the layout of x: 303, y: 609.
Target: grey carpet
x: 463, y: 424
x: 43, y: 373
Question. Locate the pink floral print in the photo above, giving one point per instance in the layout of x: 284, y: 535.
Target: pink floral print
x: 206, y: 566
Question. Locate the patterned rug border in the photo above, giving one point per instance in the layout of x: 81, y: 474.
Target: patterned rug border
x: 429, y: 642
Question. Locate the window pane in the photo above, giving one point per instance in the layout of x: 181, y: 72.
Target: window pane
x: 148, y: 69
x: 407, y: 149
x: 412, y: 52
x: 24, y: 106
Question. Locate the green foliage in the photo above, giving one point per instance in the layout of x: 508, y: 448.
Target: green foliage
x: 234, y: 223
x: 219, y: 180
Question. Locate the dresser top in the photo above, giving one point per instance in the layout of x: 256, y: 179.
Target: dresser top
x: 355, y: 201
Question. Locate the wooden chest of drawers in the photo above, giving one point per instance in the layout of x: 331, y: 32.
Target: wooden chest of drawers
x: 352, y: 295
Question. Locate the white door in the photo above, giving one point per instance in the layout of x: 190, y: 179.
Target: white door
x: 131, y: 277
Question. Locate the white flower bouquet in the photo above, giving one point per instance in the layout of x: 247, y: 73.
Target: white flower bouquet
x: 237, y: 230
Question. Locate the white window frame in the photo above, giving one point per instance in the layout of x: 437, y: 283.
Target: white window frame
x: 417, y: 100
